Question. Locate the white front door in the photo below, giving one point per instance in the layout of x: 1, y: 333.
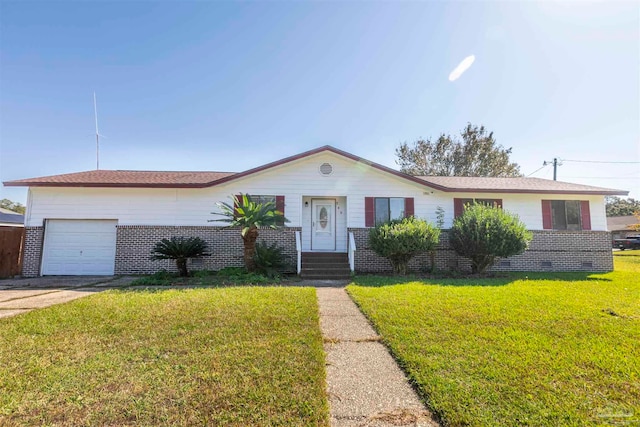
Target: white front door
x: 323, y: 225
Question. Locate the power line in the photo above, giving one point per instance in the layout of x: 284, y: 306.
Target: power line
x: 596, y: 161
x: 604, y: 177
x: 555, y: 164
x: 538, y: 170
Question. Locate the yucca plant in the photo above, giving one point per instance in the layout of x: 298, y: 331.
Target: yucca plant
x: 249, y: 216
x: 180, y: 249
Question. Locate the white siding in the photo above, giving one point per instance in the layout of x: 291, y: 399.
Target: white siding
x: 529, y: 206
x: 140, y: 206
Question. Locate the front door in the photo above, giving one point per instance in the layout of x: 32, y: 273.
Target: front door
x: 323, y: 225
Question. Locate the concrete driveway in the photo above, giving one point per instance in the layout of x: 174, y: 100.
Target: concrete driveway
x: 23, y: 295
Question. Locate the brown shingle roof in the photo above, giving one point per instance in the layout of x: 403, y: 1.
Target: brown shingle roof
x: 513, y: 185
x: 621, y: 223
x: 117, y: 178
x: 124, y: 178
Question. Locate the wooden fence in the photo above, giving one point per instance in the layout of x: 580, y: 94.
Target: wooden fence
x: 11, y: 241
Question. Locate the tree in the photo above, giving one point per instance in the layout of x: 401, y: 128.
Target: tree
x: 476, y: 154
x: 249, y: 216
x: 12, y: 206
x: 483, y: 233
x: 180, y: 249
x: 617, y: 206
x: 401, y: 240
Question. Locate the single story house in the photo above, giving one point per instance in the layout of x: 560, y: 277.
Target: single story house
x: 10, y: 218
x: 622, y: 226
x: 107, y: 221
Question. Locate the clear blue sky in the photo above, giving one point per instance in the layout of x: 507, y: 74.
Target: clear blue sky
x: 229, y: 86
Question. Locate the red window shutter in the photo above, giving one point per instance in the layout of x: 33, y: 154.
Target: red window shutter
x: 408, y: 207
x: 547, y: 222
x: 458, y: 207
x: 369, y: 213
x: 585, y: 213
x: 498, y: 203
x: 280, y: 208
x: 280, y: 204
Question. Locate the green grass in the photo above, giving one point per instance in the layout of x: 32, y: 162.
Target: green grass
x: 229, y: 276
x: 529, y: 349
x: 232, y: 356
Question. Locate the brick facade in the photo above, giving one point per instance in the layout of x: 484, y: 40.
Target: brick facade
x: 134, y: 244
x: 548, y: 251
x: 33, y: 239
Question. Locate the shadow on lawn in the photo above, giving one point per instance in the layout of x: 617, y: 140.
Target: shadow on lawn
x: 496, y: 280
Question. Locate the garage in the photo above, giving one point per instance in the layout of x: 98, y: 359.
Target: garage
x: 79, y: 247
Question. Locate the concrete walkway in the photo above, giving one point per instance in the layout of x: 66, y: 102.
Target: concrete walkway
x: 19, y: 296
x: 365, y: 385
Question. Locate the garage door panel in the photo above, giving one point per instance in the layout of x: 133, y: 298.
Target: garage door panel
x: 79, y: 247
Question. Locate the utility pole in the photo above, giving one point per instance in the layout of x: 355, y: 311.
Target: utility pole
x: 556, y: 163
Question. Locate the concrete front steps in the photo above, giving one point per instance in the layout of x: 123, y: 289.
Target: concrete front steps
x: 325, y: 265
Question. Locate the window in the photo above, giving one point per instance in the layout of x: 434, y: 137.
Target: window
x: 459, y: 204
x: 572, y: 215
x: 566, y: 214
x: 261, y: 199
x: 379, y: 210
x: 389, y: 208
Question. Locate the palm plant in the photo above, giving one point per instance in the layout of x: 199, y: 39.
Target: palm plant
x: 249, y: 216
x: 180, y: 249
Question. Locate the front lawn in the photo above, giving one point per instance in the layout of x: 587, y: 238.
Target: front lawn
x: 233, y: 356
x: 542, y: 350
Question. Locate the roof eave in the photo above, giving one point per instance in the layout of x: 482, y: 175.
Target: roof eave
x: 101, y: 185
x: 512, y: 191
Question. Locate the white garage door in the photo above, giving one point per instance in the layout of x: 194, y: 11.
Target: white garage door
x: 79, y: 247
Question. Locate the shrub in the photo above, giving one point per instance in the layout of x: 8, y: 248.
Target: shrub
x: 159, y: 278
x: 180, y: 249
x: 269, y: 259
x: 401, y: 240
x: 484, y: 233
x: 240, y: 276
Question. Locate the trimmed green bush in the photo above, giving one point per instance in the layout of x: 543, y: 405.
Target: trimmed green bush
x: 483, y: 233
x: 401, y: 240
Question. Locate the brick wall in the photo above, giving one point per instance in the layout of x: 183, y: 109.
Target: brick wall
x: 548, y: 251
x: 134, y: 244
x: 33, y: 239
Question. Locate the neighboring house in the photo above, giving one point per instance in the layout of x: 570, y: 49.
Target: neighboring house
x: 621, y: 226
x: 106, y: 222
x: 10, y: 218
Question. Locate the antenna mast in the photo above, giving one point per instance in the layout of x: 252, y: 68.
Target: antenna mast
x: 95, y: 110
